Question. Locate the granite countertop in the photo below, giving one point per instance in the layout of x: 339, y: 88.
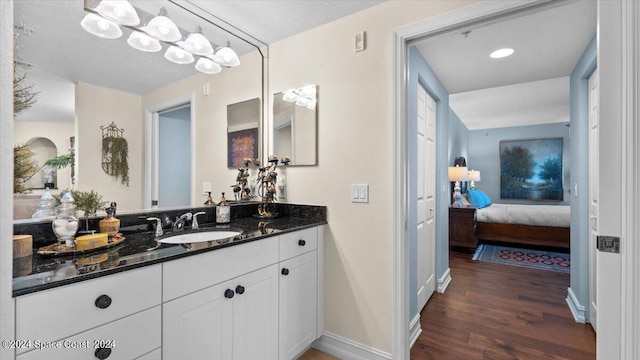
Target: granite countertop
x: 37, y: 273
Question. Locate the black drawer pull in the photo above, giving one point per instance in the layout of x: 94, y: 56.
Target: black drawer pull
x: 285, y: 271
x: 102, y: 353
x: 229, y: 293
x: 301, y: 242
x: 239, y: 289
x: 103, y: 301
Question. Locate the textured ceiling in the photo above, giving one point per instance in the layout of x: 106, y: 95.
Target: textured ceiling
x: 548, y: 44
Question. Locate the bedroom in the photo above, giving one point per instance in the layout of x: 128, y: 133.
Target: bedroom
x: 543, y: 116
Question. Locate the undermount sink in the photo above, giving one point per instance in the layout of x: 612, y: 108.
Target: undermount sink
x: 200, y: 236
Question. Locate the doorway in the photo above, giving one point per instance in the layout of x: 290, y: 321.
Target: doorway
x: 168, y: 154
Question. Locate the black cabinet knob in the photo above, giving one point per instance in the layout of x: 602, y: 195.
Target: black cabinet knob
x: 228, y: 293
x: 103, y: 301
x: 285, y: 271
x: 301, y: 242
x: 102, y: 353
x: 239, y: 289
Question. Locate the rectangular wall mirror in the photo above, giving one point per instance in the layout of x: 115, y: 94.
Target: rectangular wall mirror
x: 295, y: 126
x: 85, y: 81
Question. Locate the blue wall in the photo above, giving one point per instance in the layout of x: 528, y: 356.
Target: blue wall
x: 174, y: 167
x: 458, y: 138
x: 421, y: 73
x: 579, y: 89
x: 484, y: 155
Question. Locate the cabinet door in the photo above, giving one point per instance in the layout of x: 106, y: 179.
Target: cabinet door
x: 298, y: 306
x: 255, y: 315
x: 198, y: 326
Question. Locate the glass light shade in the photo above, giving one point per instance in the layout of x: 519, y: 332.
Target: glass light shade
x: 312, y: 104
x: 225, y: 56
x: 308, y: 91
x: 119, y: 11
x: 500, y: 53
x: 290, y: 96
x: 207, y: 66
x: 458, y: 173
x: 143, y: 42
x: 197, y: 44
x: 101, y: 27
x: 178, y: 56
x: 162, y: 28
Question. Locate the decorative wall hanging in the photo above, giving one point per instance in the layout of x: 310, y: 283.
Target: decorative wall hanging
x: 531, y: 169
x: 115, y: 153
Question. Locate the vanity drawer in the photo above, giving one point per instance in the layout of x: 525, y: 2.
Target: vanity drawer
x: 299, y: 242
x: 61, y: 312
x: 128, y: 338
x: 192, y: 273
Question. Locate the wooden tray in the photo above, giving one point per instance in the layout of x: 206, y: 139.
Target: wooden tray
x: 54, y: 250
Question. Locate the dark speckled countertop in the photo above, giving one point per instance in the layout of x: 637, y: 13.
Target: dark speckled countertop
x: 36, y: 273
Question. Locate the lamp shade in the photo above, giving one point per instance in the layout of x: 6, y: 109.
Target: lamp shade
x: 162, y: 28
x: 474, y: 175
x: 101, y: 27
x: 119, y: 11
x: 143, y: 42
x: 178, y: 56
x: 225, y: 56
x: 207, y: 66
x: 458, y: 173
x: 197, y: 44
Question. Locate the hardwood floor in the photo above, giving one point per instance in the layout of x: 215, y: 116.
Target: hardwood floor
x: 492, y: 311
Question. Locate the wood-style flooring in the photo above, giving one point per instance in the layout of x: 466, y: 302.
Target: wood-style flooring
x: 493, y: 311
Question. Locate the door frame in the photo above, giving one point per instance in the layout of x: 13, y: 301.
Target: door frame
x: 151, y: 114
x: 628, y: 17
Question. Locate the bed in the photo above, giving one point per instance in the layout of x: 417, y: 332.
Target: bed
x: 540, y: 225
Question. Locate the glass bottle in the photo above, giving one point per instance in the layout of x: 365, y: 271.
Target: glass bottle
x: 65, y: 224
x: 46, y: 207
x: 110, y: 224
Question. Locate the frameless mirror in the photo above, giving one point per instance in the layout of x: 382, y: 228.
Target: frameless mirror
x: 84, y: 82
x: 295, y: 126
x: 243, y: 137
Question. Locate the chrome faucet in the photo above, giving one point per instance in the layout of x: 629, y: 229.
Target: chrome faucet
x: 178, y: 225
x: 194, y: 223
x: 158, y: 226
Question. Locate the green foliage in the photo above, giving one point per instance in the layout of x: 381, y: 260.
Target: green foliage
x: 62, y: 161
x: 516, y: 164
x: 551, y: 170
x: 88, y: 201
x: 24, y: 167
x: 115, y: 155
x: 23, y: 95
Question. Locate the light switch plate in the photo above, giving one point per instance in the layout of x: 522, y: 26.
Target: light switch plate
x: 360, y: 193
x: 206, y: 187
x: 360, y: 41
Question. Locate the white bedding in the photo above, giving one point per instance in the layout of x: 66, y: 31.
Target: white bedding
x: 540, y: 215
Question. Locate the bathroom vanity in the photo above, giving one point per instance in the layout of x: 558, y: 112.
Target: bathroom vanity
x: 256, y: 295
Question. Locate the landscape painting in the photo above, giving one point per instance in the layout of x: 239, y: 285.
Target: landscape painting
x: 531, y: 169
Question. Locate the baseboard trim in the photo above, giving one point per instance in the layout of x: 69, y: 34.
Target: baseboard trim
x: 414, y: 330
x: 344, y: 348
x: 444, y: 281
x: 578, y: 311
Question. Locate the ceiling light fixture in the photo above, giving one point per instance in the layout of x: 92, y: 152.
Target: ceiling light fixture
x: 101, y: 27
x: 105, y: 21
x: 143, y: 42
x: 119, y: 11
x: 501, y: 53
x: 304, y: 96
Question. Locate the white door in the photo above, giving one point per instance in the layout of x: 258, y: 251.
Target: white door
x: 593, y: 198
x: 298, y: 295
x: 255, y: 315
x: 426, y: 121
x: 199, y: 325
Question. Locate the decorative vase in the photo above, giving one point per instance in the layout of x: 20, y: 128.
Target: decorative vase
x: 110, y: 224
x: 65, y: 224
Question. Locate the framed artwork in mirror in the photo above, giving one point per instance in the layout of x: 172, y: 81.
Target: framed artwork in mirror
x: 241, y: 144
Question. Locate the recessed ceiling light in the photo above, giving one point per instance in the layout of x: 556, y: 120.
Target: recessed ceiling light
x: 500, y: 53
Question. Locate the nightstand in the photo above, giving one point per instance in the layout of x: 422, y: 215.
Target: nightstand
x: 462, y: 227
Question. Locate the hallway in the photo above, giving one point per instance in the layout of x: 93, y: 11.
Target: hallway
x: 492, y: 311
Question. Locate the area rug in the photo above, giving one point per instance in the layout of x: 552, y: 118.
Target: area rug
x: 535, y: 259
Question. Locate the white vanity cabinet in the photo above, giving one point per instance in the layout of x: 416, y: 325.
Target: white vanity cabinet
x: 122, y: 309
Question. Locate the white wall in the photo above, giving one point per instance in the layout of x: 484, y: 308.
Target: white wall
x: 98, y: 106
x: 355, y: 129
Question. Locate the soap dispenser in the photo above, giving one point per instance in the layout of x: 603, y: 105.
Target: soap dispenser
x: 209, y: 201
x: 223, y: 211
